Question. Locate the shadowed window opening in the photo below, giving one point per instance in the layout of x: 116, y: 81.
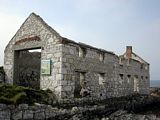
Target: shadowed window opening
x: 82, y: 52
x: 101, y: 78
x: 128, y: 78
x: 101, y: 57
x: 121, y: 76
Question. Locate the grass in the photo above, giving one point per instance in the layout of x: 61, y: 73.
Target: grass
x: 11, y: 94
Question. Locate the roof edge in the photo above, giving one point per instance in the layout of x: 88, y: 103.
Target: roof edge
x: 66, y: 41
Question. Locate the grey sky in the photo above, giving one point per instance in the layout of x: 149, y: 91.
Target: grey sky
x: 107, y: 24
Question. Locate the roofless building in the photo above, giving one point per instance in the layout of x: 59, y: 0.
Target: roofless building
x: 38, y: 57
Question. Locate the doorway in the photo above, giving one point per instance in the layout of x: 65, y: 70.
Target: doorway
x: 27, y: 65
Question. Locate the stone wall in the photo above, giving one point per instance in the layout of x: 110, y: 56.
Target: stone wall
x: 48, y: 41
x: 131, y: 69
x: 119, y: 79
x: 41, y: 112
x: 25, y: 112
x: 112, y: 108
x: 90, y: 65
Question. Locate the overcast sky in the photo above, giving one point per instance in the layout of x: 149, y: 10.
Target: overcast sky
x: 107, y: 24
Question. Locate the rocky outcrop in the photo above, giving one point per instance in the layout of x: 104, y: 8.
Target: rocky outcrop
x: 155, y: 91
x: 124, y: 115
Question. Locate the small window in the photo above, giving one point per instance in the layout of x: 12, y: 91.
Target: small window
x: 121, y: 76
x: 101, y: 56
x: 142, y: 77
x: 101, y: 78
x: 142, y: 66
x: 82, y: 52
x: 146, y: 67
x: 120, y: 61
x: 136, y: 76
x: 146, y: 77
x: 128, y: 78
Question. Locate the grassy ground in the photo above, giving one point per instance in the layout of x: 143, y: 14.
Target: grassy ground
x: 11, y: 94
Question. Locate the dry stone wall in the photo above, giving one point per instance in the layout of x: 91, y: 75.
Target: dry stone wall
x: 41, y: 112
x: 25, y: 112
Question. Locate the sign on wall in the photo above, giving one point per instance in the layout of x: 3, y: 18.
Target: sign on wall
x: 45, y: 67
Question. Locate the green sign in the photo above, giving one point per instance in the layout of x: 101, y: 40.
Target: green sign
x: 45, y: 67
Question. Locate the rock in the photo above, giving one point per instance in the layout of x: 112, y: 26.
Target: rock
x: 75, y: 117
x: 5, y: 115
x: 23, y: 106
x: 50, y: 113
x: 3, y: 106
x: 105, y: 118
x: 37, y: 104
x: 17, y: 115
x: 118, y: 113
x: 39, y: 116
x: 27, y: 114
x: 74, y: 110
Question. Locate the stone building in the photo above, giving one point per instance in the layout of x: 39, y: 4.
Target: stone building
x: 69, y: 68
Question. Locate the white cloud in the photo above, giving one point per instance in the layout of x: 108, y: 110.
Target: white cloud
x: 9, y: 24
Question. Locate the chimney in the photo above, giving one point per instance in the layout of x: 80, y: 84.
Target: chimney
x: 129, y: 52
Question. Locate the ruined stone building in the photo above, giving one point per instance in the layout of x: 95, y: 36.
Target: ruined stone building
x: 69, y: 68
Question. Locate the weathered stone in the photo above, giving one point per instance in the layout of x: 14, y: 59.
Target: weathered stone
x: 74, y: 110
x: 3, y: 106
x: 17, y: 115
x: 23, y: 106
x: 39, y: 115
x: 50, y: 112
x: 5, y: 115
x: 28, y: 114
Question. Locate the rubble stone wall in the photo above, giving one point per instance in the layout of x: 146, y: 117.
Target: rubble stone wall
x: 118, y: 78
x: 41, y: 112
x: 25, y: 112
x: 48, y: 42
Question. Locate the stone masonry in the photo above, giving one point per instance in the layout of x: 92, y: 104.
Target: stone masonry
x: 77, y: 69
